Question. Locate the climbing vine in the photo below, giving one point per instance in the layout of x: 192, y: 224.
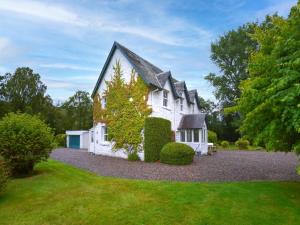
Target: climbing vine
x: 126, y: 110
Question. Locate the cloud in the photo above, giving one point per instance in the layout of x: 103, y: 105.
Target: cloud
x: 67, y: 66
x: 282, y: 8
x: 7, y: 49
x: 43, y: 10
x: 170, y: 31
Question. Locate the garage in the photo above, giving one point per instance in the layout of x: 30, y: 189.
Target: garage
x: 77, y: 139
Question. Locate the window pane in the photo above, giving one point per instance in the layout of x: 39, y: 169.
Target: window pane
x: 165, y: 102
x: 196, y: 135
x: 189, y: 135
x: 182, y: 136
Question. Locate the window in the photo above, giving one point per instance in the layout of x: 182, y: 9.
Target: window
x: 196, y: 135
x: 193, y: 108
x: 103, y: 102
x: 182, y: 135
x: 189, y: 135
x: 165, y: 98
x: 105, y: 135
x: 181, y: 104
x: 92, y: 136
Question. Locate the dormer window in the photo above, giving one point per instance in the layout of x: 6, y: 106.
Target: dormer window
x: 181, y: 104
x: 165, y: 98
x: 193, y: 108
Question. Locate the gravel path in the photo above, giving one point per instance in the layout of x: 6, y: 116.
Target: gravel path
x: 221, y: 166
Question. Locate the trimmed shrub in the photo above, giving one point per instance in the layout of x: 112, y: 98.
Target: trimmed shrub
x: 133, y: 157
x: 225, y: 144
x: 177, y: 154
x: 157, y: 133
x: 24, y: 141
x: 3, y: 173
x: 212, y: 137
x: 242, y: 143
x: 60, y: 140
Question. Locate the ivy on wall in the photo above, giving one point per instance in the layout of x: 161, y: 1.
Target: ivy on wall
x: 125, y: 111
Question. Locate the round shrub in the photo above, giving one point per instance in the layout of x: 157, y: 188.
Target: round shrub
x: 60, y: 140
x: 225, y: 144
x: 3, y: 173
x: 212, y: 137
x: 157, y: 133
x: 133, y: 157
x: 242, y: 143
x: 24, y: 141
x: 177, y: 154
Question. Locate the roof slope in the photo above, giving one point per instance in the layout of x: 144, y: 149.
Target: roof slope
x: 192, y: 121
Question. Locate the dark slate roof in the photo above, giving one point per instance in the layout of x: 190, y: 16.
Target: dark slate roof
x: 151, y: 74
x: 180, y: 88
x: 146, y: 69
x: 192, y: 121
x: 163, y: 77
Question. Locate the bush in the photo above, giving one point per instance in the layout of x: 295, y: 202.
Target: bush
x: 242, y: 143
x: 212, y: 137
x: 3, y: 173
x: 60, y: 140
x: 177, y: 154
x: 133, y: 157
x: 225, y: 144
x: 24, y: 141
x: 157, y: 134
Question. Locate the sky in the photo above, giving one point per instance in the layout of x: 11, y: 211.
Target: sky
x: 68, y: 41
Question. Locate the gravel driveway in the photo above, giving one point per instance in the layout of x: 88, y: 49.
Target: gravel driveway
x: 221, y: 166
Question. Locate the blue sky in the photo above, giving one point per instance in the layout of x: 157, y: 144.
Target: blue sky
x: 67, y: 42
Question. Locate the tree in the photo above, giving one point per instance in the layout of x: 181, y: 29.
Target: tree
x: 24, y: 141
x: 23, y: 90
x: 231, y: 53
x: 270, y: 98
x: 78, y: 111
x: 126, y: 110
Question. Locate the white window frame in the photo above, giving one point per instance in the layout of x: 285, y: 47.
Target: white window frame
x: 104, y: 134
x: 165, y: 98
x: 194, y: 130
x: 182, y: 132
x: 92, y: 136
x: 189, y: 138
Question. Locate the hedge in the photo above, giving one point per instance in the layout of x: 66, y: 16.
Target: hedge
x: 157, y: 133
x: 225, y: 144
x: 242, y: 144
x: 177, y: 154
x: 212, y: 137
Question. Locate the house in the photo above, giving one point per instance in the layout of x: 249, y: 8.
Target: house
x: 168, y: 98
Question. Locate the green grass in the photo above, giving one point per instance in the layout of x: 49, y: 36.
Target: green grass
x: 61, y: 194
x: 298, y: 170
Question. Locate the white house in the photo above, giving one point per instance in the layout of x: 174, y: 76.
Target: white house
x: 168, y: 98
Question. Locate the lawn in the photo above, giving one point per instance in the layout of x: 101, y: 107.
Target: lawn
x: 62, y: 194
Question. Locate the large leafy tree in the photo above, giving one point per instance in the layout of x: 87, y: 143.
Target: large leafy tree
x: 270, y: 100
x: 77, y: 111
x: 231, y: 53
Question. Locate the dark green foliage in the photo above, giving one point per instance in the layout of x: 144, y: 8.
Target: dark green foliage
x: 212, y: 137
x: 177, y: 154
x: 133, y: 157
x: 3, y: 173
x: 225, y: 144
x: 157, y: 133
x: 270, y: 98
x: 60, y: 140
x: 242, y: 143
x: 78, y: 109
x: 24, y: 141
